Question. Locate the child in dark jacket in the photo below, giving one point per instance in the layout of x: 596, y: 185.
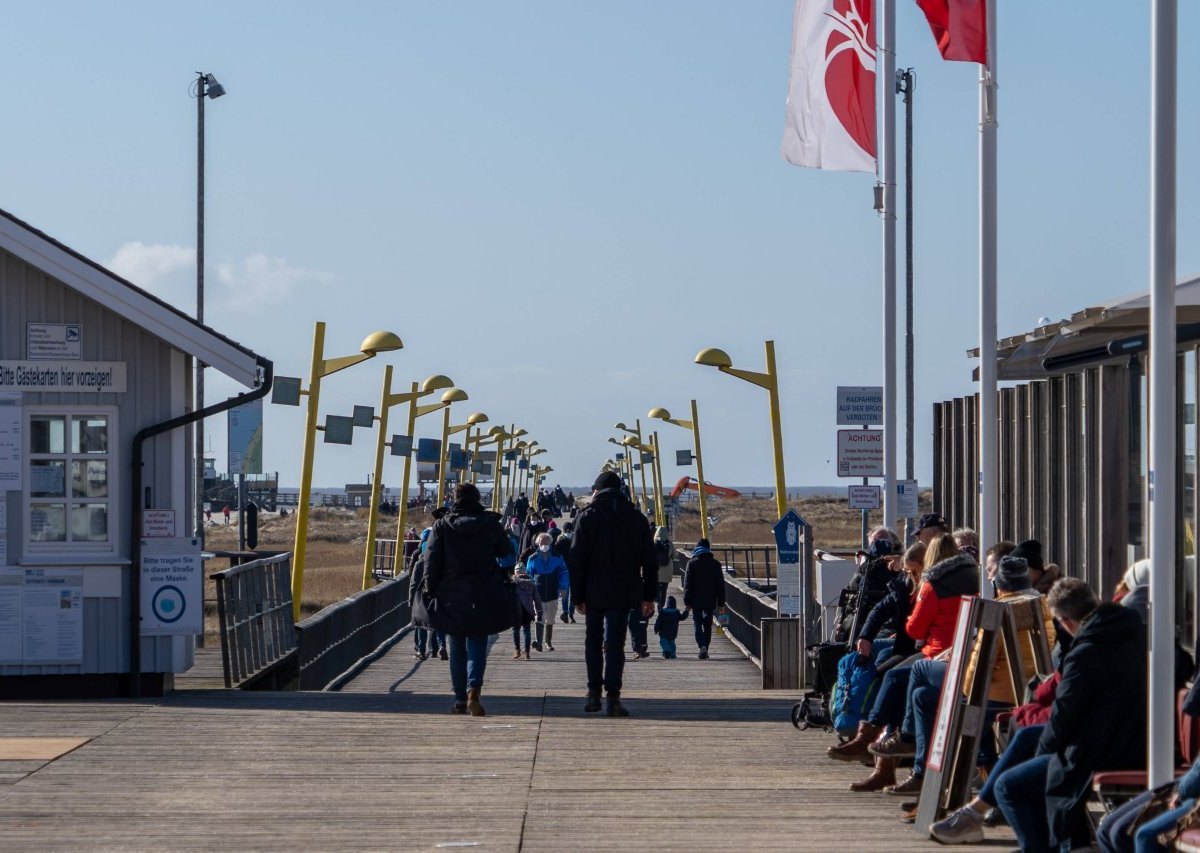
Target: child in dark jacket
x: 667, y: 627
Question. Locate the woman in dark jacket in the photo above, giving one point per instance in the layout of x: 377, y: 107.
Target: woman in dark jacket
x: 468, y: 557
x: 892, y: 612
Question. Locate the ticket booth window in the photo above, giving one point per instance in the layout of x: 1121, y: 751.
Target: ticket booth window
x: 69, y: 480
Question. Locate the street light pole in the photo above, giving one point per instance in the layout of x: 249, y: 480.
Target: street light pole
x: 206, y: 87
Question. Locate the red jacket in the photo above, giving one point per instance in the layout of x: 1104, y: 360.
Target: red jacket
x: 936, y: 612
x: 1037, y: 712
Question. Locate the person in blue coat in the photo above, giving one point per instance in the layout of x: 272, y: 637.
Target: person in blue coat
x: 550, y: 576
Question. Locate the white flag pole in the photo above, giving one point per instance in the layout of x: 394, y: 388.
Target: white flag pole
x: 886, y: 78
x: 988, y: 407
x: 1161, y: 495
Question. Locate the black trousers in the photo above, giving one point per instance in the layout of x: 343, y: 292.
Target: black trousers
x: 604, y: 649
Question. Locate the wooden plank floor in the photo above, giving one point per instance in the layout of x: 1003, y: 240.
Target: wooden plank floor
x: 707, y: 762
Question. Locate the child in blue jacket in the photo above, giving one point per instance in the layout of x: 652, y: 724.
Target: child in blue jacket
x: 667, y: 627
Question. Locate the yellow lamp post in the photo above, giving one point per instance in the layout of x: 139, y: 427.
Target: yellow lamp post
x: 472, y: 420
x: 633, y: 444
x: 506, y: 490
x: 626, y: 464
x: 525, y: 474
x: 372, y: 345
x: 443, y: 451
x: 495, y: 436
x: 637, y: 433
x: 387, y: 399
x: 693, y: 425
x: 769, y: 380
x: 451, y: 395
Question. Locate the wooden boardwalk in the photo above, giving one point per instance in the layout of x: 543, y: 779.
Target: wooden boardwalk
x: 707, y: 761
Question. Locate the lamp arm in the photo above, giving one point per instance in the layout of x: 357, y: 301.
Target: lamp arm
x: 762, y: 380
x: 430, y: 409
x: 333, y: 365
x: 406, y: 397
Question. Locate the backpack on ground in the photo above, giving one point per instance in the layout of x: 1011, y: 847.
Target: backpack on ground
x: 853, y: 694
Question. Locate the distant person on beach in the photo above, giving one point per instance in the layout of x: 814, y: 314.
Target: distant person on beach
x: 226, y: 513
x: 613, y: 569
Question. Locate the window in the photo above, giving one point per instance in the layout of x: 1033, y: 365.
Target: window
x: 69, y: 483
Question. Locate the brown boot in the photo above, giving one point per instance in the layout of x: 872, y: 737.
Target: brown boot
x: 855, y: 748
x: 883, y: 775
x: 474, y: 706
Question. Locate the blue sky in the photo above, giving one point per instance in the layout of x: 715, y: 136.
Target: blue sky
x: 557, y: 204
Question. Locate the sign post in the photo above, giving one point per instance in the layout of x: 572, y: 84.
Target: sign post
x: 860, y: 453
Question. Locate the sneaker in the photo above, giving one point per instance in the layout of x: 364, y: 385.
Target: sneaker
x: 910, y: 786
x: 666, y: 655
x: 549, y: 647
x: 419, y: 656
x: 894, y: 746
x: 995, y: 817
x: 564, y: 618
x: 572, y: 620
x: 444, y: 655
x: 703, y: 653
x: 908, y: 812
x: 644, y: 653
x: 964, y: 826
x: 593, y: 703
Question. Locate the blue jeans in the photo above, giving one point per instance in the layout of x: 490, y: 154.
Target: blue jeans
x: 668, y: 646
x: 567, y: 606
x: 1113, y: 833
x: 468, y: 660
x: 889, y: 704
x: 1021, y: 794
x: 924, y: 693
x: 604, y: 649
x: 425, y: 638
x: 1021, y: 748
x: 703, y: 619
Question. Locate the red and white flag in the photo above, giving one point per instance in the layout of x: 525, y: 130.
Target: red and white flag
x: 831, y: 93
x: 959, y: 27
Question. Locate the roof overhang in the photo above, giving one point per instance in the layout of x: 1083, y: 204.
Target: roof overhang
x: 122, y: 297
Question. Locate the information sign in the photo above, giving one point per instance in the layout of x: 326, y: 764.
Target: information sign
x: 864, y: 497
x: 859, y: 405
x: 906, y: 499
x: 158, y: 523
x: 172, y: 587
x: 53, y: 341
x: 860, y: 452
x: 10, y: 442
x: 789, y: 538
x: 52, y: 616
x: 245, y: 430
x: 76, y: 377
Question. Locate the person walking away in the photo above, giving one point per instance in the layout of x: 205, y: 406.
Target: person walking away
x: 562, y: 547
x: 703, y: 592
x: 530, y: 611
x: 549, y: 573
x: 467, y: 550
x: 666, y: 563
x: 426, y: 641
x: 667, y: 627
x: 639, y: 629
x: 225, y: 512
x: 613, y: 569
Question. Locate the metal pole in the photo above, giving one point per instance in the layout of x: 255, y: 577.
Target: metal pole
x: 306, y: 462
x: 988, y: 414
x: 241, y: 512
x: 1161, y: 487
x: 887, y: 177
x: 776, y: 431
x: 199, y: 428
x: 377, y: 485
x: 866, y: 514
x: 700, y: 472
x: 909, y: 79
x: 402, y: 513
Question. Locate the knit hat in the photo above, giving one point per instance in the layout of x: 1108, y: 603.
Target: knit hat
x: 1031, y: 550
x: 1012, y: 575
x: 1137, y: 575
x: 703, y: 543
x: 606, y: 480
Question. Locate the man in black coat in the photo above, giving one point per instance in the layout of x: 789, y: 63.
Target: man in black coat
x: 1097, y: 722
x: 703, y: 592
x: 613, y: 569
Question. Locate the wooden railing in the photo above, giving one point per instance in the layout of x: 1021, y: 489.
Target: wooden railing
x: 254, y: 605
x: 337, y: 640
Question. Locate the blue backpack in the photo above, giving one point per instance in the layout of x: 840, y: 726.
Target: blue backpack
x: 853, y: 693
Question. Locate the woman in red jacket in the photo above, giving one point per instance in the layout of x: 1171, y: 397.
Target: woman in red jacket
x: 945, y: 582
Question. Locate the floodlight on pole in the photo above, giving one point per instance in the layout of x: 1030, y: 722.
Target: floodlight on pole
x: 321, y: 367
x: 718, y: 358
x: 386, y: 401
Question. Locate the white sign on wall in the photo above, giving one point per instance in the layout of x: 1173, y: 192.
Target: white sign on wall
x: 11, y: 581
x: 74, y: 377
x: 53, y: 341
x: 906, y: 499
x: 10, y: 442
x: 52, y: 616
x: 158, y: 523
x: 172, y: 587
x: 859, y: 405
x: 860, y: 453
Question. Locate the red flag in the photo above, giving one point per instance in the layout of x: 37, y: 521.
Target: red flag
x: 960, y: 28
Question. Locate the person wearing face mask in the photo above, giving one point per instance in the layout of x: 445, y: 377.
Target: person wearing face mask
x: 550, y: 576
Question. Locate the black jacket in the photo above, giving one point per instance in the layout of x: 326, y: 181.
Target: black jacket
x: 416, y: 577
x: 867, y: 588
x: 667, y: 623
x: 467, y: 541
x: 1098, y: 721
x: 612, y: 562
x: 530, y: 533
x: 892, y: 612
x: 703, y: 583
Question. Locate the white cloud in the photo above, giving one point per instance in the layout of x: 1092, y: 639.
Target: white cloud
x: 259, y: 281
x: 255, y: 282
